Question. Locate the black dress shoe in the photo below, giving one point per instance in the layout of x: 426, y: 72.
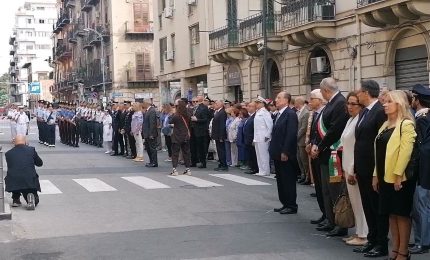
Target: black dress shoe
x: 364, y: 249
x: 325, y: 222
x: 317, y: 221
x: 250, y: 172
x: 151, y: 165
x: 288, y: 211
x: 201, y: 166
x: 326, y: 228
x: 114, y: 154
x: 279, y: 209
x: 306, y: 182
x: 313, y: 195
x: 301, y: 180
x: 377, y: 251
x: 417, y: 250
x: 337, y: 232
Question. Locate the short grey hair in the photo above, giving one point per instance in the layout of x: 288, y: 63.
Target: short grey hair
x: 329, y: 84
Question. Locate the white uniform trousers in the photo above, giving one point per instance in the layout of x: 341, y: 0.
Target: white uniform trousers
x: 21, y: 129
x: 13, y: 129
x: 263, y: 157
x: 361, y: 228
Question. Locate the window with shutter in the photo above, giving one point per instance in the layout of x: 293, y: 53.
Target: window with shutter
x: 147, y: 65
x: 140, y: 67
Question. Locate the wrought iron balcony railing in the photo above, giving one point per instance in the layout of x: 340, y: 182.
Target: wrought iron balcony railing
x: 306, y: 11
x: 131, y: 28
x: 361, y: 3
x: 62, y: 51
x: 223, y: 37
x: 69, y: 3
x: 251, y: 28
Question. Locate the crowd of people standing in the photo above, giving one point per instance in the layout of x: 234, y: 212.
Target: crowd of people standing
x: 370, y: 145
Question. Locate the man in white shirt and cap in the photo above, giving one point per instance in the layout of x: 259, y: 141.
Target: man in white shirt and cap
x: 263, y: 124
x: 11, y: 115
x: 22, y: 122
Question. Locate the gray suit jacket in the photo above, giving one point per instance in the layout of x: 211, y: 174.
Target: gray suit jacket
x: 150, y: 124
x: 303, y: 124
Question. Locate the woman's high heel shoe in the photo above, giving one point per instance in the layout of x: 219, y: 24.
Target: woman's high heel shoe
x: 393, y: 258
x: 408, y: 256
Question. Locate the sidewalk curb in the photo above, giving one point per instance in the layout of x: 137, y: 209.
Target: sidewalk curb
x: 7, y: 215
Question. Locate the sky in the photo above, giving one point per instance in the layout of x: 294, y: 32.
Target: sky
x: 7, y: 20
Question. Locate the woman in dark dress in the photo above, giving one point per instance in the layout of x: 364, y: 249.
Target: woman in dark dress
x: 393, y: 148
x: 180, y: 121
x: 240, y: 142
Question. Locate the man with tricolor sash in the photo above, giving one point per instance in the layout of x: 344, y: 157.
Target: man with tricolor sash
x: 328, y: 148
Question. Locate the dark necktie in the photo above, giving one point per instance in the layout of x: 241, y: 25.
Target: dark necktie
x: 314, y: 119
x: 363, y: 115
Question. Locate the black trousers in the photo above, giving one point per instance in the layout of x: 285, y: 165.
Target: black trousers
x: 117, y: 140
x: 201, y: 149
x: 252, y: 158
x: 220, y: 149
x: 98, y: 134
x: 316, y: 173
x: 168, y: 140
x: 151, y: 149
x: 330, y: 192
x: 132, y: 144
x: 39, y: 128
x: 17, y: 194
x: 176, y: 149
x: 50, y: 132
x: 377, y: 223
x: 83, y: 130
x: 193, y: 149
x: 286, y: 176
x: 76, y: 133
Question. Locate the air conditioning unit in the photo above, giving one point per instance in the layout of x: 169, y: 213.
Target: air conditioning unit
x: 319, y: 65
x: 192, y: 2
x: 168, y: 12
x: 169, y: 55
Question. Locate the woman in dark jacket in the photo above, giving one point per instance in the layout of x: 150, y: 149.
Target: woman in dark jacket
x: 180, y: 121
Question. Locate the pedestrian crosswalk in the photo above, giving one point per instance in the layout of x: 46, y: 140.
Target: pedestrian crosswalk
x: 93, y: 185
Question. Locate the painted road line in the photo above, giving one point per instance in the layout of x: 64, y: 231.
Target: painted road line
x: 94, y: 185
x: 196, y: 181
x: 239, y: 179
x: 146, y: 183
x: 48, y: 187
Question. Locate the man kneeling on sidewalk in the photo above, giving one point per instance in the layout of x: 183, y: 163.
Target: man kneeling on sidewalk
x: 21, y: 175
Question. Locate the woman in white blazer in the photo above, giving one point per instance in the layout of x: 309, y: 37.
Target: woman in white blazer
x: 348, y: 142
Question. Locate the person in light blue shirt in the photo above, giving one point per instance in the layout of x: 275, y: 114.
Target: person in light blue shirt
x: 50, y: 119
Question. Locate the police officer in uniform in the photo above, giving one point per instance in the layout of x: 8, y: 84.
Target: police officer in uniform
x: 421, y: 209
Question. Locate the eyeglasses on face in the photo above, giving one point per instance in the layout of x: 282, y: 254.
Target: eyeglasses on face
x: 352, y: 104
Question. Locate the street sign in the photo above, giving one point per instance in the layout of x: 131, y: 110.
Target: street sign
x: 142, y: 95
x: 116, y: 94
x: 34, y: 87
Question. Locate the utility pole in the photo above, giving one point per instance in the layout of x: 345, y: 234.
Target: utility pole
x: 266, y: 84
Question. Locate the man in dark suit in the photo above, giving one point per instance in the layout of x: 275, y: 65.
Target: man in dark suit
x: 370, y: 120
x: 219, y: 134
x: 150, y: 133
x: 199, y: 128
x: 317, y: 104
x: 332, y: 121
x: 248, y: 133
x: 283, y: 150
x: 21, y: 175
x: 117, y: 125
x: 128, y: 136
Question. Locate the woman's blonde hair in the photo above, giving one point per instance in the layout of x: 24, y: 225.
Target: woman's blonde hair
x: 403, y: 109
x: 137, y: 106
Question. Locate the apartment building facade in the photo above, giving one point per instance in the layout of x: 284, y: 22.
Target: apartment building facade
x: 350, y: 40
x: 31, y: 44
x: 181, y: 47
x: 103, y: 48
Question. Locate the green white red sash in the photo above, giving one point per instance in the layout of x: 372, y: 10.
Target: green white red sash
x: 335, y: 162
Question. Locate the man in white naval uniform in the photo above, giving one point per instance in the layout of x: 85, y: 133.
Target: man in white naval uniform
x: 11, y: 115
x: 22, y: 122
x: 263, y: 125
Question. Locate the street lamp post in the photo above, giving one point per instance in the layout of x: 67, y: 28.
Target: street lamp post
x: 102, y: 62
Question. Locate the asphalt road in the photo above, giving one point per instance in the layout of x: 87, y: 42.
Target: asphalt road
x: 101, y: 207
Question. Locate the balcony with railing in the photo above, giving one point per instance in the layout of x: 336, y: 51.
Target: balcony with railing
x: 87, y: 5
x: 63, y: 20
x: 307, y: 22
x: 95, y: 38
x: 378, y: 13
x: 12, y: 50
x: 224, y: 44
x: 12, y: 40
x: 69, y: 3
x: 251, y: 32
x: 13, y: 70
x: 13, y: 61
x: 136, y: 29
x: 62, y: 51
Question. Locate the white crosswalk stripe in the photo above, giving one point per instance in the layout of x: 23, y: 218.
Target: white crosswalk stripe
x: 48, y: 187
x: 94, y: 185
x: 239, y: 179
x: 196, y: 181
x: 146, y: 183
